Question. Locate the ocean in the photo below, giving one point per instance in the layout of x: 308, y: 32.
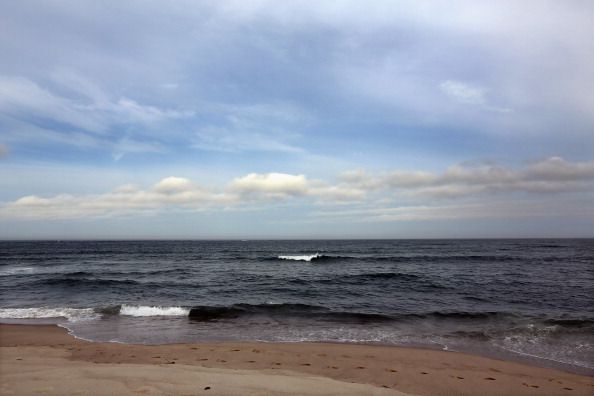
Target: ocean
x: 528, y: 300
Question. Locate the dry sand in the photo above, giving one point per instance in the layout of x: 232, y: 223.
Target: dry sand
x: 45, y: 360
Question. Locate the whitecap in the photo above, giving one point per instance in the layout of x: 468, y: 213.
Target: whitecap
x: 72, y: 314
x: 139, y: 310
x: 16, y: 271
x: 300, y: 257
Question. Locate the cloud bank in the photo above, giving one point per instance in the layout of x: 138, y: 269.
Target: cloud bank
x: 423, y: 191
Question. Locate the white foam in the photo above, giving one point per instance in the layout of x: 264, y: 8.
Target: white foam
x: 300, y: 258
x: 139, y: 310
x: 72, y: 314
x: 16, y: 271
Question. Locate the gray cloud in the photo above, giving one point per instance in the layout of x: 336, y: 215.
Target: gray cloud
x: 551, y: 175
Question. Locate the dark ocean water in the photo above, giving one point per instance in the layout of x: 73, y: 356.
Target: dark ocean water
x: 515, y: 299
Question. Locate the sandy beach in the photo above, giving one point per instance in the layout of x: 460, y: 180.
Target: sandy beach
x: 44, y: 359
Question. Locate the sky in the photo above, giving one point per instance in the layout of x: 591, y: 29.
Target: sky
x: 302, y: 119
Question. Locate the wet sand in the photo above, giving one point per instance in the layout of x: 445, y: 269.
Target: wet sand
x: 44, y: 359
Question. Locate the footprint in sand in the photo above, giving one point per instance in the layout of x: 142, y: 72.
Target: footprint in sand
x: 194, y: 348
x: 568, y: 388
x: 335, y: 368
x: 534, y: 386
x: 305, y: 364
x: 392, y: 370
x: 489, y: 379
x: 250, y: 361
x: 277, y: 364
x: 424, y: 373
x: 235, y: 350
x: 360, y: 367
x: 460, y: 377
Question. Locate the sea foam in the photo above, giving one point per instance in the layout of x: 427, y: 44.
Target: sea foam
x: 139, y: 310
x: 16, y: 271
x: 300, y: 257
x: 72, y: 314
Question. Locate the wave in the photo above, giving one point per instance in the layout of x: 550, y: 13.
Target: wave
x: 577, y: 323
x: 126, y: 273
x: 76, y: 281
x: 300, y: 257
x: 72, y: 314
x: 16, y: 271
x: 139, y: 310
x: 396, y: 259
x: 208, y: 313
x: 383, y: 275
x: 314, y: 257
x: 401, y: 280
x: 504, y: 321
x: 465, y: 315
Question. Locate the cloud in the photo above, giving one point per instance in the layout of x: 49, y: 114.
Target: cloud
x: 277, y: 185
x: 87, y: 117
x: 22, y: 99
x: 547, y: 176
x: 471, y: 210
x: 236, y: 140
x: 469, y: 94
x: 478, y: 184
x: 463, y: 92
x: 253, y: 127
x: 169, y: 193
x: 3, y: 150
x: 172, y: 184
x: 558, y: 169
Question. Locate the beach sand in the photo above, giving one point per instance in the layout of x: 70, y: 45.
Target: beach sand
x: 45, y: 360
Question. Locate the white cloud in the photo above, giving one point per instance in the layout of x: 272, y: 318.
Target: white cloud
x: 254, y: 127
x: 89, y: 110
x: 169, y: 193
x: 237, y: 140
x: 277, y: 185
x: 482, y: 184
x: 173, y: 184
x: 463, y: 92
x: 23, y: 99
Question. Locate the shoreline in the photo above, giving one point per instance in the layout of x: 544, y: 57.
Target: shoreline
x: 371, y: 369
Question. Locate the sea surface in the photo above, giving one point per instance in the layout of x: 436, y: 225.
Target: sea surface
x: 527, y: 300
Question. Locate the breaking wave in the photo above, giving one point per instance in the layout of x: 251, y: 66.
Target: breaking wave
x: 72, y: 314
x: 139, y: 310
